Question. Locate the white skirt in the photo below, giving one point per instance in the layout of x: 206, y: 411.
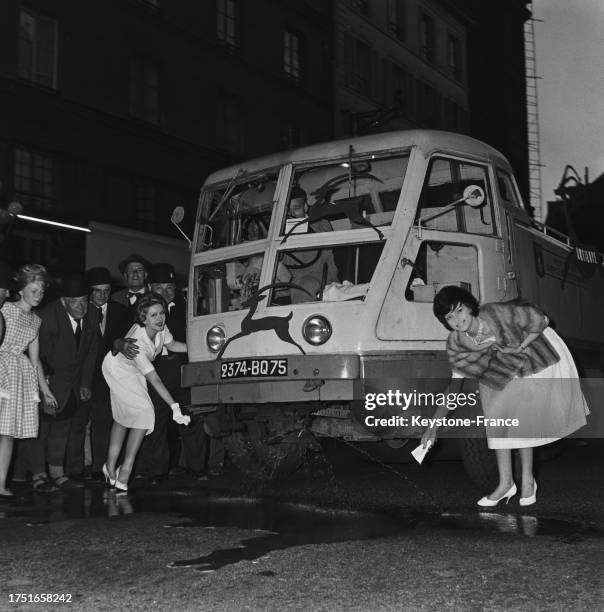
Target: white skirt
x: 131, y: 405
x: 548, y: 405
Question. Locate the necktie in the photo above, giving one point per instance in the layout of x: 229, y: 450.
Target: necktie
x: 78, y: 332
x: 132, y: 297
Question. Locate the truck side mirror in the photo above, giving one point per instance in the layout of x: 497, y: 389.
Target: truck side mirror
x: 473, y: 195
x: 178, y: 214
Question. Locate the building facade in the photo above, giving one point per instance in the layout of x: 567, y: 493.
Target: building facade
x: 399, y: 64
x: 117, y: 111
x: 456, y: 65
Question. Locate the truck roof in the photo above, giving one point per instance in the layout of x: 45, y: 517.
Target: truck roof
x: 426, y: 140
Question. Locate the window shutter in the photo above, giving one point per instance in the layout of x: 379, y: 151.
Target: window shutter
x: 375, y: 75
x: 349, y: 59
x: 45, y: 51
x: 386, y: 83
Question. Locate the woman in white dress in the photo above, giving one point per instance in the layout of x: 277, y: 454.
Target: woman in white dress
x: 525, y: 373
x: 132, y: 408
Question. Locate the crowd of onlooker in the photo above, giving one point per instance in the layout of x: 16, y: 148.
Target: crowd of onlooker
x: 90, y: 381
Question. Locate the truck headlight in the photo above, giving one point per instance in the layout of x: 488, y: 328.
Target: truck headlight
x: 316, y: 330
x: 215, y: 338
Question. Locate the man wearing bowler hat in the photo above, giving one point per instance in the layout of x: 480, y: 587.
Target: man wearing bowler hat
x: 112, y: 325
x: 134, y: 269
x: 154, y: 456
x: 69, y: 340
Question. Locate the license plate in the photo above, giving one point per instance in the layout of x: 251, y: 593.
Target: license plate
x: 253, y: 368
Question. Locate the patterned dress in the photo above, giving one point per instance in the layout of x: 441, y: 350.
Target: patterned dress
x: 18, y: 377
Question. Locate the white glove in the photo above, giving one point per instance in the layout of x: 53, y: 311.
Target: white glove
x: 178, y: 416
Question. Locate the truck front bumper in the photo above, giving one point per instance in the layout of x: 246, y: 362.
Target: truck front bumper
x: 310, y: 378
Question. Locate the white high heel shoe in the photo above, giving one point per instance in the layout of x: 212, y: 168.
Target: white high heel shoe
x: 531, y: 499
x: 120, y: 486
x: 108, y: 480
x: 485, y: 502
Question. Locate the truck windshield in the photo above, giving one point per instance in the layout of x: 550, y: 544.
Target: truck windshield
x: 309, y: 254
x: 237, y: 212
x: 353, y: 194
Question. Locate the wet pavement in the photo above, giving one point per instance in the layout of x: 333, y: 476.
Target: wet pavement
x: 298, y: 543
x: 288, y: 524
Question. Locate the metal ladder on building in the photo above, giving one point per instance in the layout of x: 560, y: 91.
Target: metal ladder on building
x: 532, y: 119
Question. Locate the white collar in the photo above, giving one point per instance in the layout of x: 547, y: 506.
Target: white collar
x: 74, y: 322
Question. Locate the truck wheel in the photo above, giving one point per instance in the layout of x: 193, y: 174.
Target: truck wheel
x: 265, y: 461
x: 479, y: 462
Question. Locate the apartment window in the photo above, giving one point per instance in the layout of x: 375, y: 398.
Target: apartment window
x: 360, y: 6
x: 453, y: 116
x: 38, y: 49
x: 397, y: 18
x: 291, y: 55
x: 229, y: 124
x: 34, y: 180
x: 144, y: 90
x: 359, y: 59
x: 226, y: 21
x: 427, y: 38
x: 145, y: 205
x: 429, y: 106
x: 396, y: 84
x: 291, y: 137
x: 454, y: 61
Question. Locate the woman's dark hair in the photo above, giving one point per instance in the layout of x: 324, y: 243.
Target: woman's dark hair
x: 31, y: 273
x: 143, y: 305
x: 449, y: 298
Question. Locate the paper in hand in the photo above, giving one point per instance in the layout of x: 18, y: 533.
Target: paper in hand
x: 420, y: 452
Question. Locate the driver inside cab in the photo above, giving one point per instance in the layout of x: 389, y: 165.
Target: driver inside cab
x: 311, y: 269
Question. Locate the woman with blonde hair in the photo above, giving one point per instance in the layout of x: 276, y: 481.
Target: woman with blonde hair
x: 21, y: 375
x: 131, y: 405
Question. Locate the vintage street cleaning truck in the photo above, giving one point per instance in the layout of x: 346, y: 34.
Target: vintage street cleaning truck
x: 312, y: 278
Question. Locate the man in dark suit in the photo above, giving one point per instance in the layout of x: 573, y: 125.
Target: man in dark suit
x: 69, y: 340
x: 134, y: 269
x: 112, y: 324
x: 154, y: 456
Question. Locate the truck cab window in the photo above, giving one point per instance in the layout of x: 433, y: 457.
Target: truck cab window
x: 352, y: 194
x: 439, y: 264
x: 445, y: 183
x: 225, y: 286
x: 338, y: 273
x: 237, y: 212
x: 506, y: 189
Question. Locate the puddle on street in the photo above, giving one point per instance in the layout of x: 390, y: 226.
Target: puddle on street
x: 282, y: 524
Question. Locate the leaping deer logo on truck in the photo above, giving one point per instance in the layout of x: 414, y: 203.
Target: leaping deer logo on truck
x: 279, y: 324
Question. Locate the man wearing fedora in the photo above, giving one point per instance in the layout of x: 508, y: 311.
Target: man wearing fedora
x: 113, y: 324
x: 69, y: 341
x: 154, y: 456
x: 134, y: 270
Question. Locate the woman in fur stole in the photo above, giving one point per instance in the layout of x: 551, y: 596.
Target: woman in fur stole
x: 525, y: 373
